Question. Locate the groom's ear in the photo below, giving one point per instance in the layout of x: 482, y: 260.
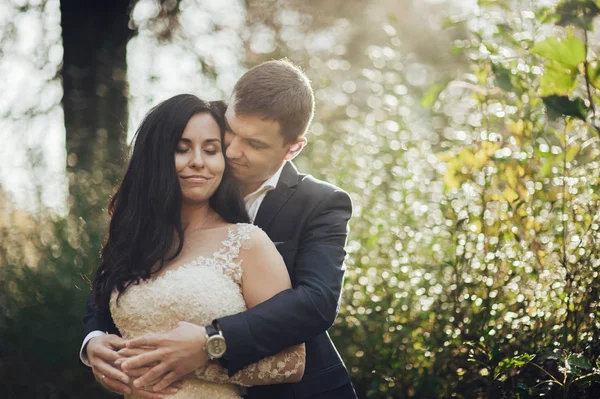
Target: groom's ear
x: 295, y: 147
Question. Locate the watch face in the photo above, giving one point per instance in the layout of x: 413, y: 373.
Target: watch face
x: 215, y: 346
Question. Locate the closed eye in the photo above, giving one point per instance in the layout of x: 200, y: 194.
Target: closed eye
x: 257, y: 144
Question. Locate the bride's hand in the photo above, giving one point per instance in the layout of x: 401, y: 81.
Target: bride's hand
x: 135, y: 373
x: 176, y: 354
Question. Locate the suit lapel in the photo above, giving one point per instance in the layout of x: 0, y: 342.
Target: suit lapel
x: 276, y: 198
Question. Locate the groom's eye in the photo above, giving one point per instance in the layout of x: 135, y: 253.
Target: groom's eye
x: 257, y: 144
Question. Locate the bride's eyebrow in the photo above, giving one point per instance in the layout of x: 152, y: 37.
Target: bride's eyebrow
x: 207, y: 141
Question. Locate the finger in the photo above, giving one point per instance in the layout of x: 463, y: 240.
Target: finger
x: 144, y: 340
x: 139, y: 393
x: 125, y: 352
x: 144, y: 360
x: 177, y: 384
x: 109, y: 371
x: 119, y: 364
x: 154, y: 382
x: 113, y: 385
x: 135, y: 373
x: 168, y: 380
x: 105, y: 354
x: 169, y: 391
x: 115, y: 340
x: 153, y: 374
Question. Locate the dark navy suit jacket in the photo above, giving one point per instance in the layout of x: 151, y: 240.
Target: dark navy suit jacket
x: 307, y: 219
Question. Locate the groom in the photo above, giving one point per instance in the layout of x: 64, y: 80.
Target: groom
x: 270, y: 110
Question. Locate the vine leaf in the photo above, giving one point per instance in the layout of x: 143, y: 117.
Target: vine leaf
x: 569, y: 51
x: 563, y: 106
x: 511, y: 364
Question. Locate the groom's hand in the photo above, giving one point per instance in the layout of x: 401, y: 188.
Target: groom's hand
x: 102, y: 355
x: 177, y: 353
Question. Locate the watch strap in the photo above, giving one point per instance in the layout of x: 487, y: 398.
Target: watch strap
x: 211, y: 330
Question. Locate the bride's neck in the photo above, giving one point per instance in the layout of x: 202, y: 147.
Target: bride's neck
x: 195, y: 215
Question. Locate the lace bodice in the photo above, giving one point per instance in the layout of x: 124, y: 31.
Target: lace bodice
x: 198, y: 292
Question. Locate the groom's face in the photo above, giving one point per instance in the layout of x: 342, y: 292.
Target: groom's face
x: 255, y: 148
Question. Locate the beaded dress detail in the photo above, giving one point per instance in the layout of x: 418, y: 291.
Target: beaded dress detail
x: 199, y: 292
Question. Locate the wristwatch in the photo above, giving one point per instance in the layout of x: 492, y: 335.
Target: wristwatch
x: 215, y: 344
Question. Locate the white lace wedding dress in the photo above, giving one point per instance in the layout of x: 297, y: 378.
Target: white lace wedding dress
x: 199, y: 292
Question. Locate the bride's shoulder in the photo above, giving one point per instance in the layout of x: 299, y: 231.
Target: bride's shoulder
x: 249, y: 230
x: 253, y: 237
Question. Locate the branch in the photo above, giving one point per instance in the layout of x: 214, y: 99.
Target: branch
x: 550, y: 375
x: 586, y: 66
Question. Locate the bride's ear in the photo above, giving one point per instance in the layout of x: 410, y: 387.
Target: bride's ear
x: 295, y: 148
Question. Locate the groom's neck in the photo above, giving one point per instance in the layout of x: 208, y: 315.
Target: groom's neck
x: 251, y: 187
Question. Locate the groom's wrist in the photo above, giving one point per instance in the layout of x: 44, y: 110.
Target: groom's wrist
x: 223, y: 360
x: 217, y: 351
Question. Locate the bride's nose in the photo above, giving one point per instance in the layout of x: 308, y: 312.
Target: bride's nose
x: 197, y: 160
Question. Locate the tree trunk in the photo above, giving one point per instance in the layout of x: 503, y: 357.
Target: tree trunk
x: 95, y: 35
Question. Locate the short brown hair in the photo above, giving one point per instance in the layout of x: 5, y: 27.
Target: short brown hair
x: 278, y: 91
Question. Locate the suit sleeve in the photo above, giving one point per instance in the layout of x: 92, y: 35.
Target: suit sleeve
x: 96, y: 320
x: 308, y: 309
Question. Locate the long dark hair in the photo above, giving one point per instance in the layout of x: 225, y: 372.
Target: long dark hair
x: 146, y: 208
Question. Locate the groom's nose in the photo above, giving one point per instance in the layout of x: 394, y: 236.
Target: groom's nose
x: 233, y: 149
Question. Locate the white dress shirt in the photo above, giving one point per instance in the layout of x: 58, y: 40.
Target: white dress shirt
x: 255, y: 199
x: 253, y: 202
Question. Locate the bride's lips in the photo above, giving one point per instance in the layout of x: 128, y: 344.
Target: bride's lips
x: 196, y: 178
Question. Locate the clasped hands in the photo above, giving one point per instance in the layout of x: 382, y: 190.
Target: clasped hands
x: 149, y: 366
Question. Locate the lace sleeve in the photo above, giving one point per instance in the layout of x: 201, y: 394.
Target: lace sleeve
x: 286, y: 366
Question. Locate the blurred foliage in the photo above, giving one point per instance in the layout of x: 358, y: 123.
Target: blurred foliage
x: 473, y: 162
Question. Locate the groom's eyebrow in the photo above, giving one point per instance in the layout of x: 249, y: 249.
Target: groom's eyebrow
x: 254, y: 142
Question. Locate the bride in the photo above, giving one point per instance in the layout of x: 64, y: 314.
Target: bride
x: 179, y: 248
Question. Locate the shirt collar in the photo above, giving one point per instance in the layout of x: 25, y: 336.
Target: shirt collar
x: 269, y: 184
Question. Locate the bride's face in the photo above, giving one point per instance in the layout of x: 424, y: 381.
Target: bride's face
x: 199, y: 160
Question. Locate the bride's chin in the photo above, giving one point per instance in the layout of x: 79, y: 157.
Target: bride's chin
x: 198, y: 199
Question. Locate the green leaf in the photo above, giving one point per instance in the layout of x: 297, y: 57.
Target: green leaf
x: 572, y: 152
x: 577, y: 360
x: 562, y: 105
x: 569, y: 51
x: 502, y: 77
x: 577, y: 12
x: 523, y: 391
x: 546, y: 15
x: 593, y: 73
x: 557, y: 79
x: 547, y: 168
x: 432, y: 94
x: 512, y: 363
x: 494, y: 3
x: 550, y: 354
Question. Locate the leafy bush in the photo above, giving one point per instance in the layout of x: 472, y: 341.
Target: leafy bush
x: 473, y: 265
